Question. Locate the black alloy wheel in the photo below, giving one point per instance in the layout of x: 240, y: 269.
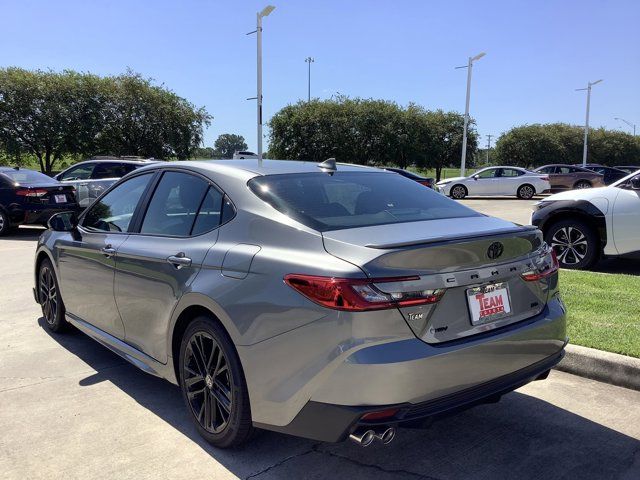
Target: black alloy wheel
x: 208, y: 382
x: 49, y: 297
x: 213, y: 384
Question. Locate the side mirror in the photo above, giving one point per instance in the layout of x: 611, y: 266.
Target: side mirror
x: 635, y: 183
x: 63, y: 222
x: 475, y: 177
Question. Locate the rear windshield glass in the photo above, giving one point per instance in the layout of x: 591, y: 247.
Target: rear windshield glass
x: 354, y: 199
x: 26, y: 176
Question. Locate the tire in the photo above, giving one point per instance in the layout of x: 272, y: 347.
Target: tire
x: 50, y: 299
x: 526, y: 192
x: 576, y: 243
x: 213, y: 384
x: 5, y: 225
x: 582, y: 184
x: 458, y: 192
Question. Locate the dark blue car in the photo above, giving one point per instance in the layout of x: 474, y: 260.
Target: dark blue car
x: 29, y: 197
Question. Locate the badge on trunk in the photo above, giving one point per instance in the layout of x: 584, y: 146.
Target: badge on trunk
x: 495, y: 250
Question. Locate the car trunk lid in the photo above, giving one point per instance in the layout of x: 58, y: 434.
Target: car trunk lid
x: 468, y: 259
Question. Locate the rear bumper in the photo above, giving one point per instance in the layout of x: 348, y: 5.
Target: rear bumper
x: 36, y: 214
x: 423, y: 380
x: 333, y: 423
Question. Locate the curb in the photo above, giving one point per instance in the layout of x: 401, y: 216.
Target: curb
x: 602, y: 366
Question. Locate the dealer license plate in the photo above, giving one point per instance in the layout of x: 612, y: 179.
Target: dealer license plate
x: 489, y: 302
x: 60, y: 198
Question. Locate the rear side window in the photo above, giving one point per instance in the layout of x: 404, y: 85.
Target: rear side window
x: 511, y: 172
x: 354, y: 199
x: 174, y: 205
x: 26, y: 177
x: 208, y: 217
x: 114, y: 211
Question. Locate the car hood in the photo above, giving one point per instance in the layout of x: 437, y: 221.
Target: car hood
x: 583, y: 194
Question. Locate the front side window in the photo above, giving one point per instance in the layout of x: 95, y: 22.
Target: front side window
x: 490, y: 173
x: 81, y: 172
x: 354, y: 199
x: 114, y: 211
x: 175, y: 204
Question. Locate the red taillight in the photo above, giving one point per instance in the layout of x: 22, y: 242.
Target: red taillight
x: 547, y: 269
x: 27, y: 192
x: 426, y: 183
x: 358, y: 294
x: 380, y: 415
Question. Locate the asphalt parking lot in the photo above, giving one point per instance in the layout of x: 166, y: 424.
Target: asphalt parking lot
x: 70, y: 408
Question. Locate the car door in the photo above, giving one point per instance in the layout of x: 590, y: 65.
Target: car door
x: 626, y: 219
x: 87, y: 259
x: 158, y: 263
x: 508, y: 181
x: 485, y: 182
x: 80, y: 177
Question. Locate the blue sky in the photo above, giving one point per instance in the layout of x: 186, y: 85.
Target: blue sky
x: 538, y: 52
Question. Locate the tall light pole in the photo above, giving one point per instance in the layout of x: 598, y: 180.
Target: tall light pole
x: 632, y: 125
x: 488, y: 146
x: 309, y: 60
x: 259, y: 16
x: 586, y: 125
x: 469, y: 68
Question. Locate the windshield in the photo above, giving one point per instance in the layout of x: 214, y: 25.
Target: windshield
x: 24, y: 177
x: 625, y: 179
x: 354, y: 199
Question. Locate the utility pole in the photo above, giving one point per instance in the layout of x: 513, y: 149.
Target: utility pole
x: 259, y: 16
x: 586, y: 124
x: 309, y: 60
x: 488, y: 146
x: 469, y: 66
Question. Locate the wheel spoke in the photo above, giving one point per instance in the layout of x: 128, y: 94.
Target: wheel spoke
x: 190, y: 382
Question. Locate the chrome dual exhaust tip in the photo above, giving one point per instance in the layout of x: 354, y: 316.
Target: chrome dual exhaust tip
x: 365, y: 437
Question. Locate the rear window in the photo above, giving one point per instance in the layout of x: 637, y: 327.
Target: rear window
x: 354, y: 199
x: 24, y: 177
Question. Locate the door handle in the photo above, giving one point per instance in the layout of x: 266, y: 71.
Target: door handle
x: 108, y: 251
x: 179, y: 260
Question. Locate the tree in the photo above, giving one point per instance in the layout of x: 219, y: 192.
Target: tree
x: 54, y: 115
x: 445, y: 131
x: 49, y: 114
x: 229, y: 143
x: 203, y: 152
x: 369, y: 132
x: 150, y: 121
x: 539, y: 144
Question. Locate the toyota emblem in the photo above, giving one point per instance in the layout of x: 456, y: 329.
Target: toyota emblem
x: 495, y: 250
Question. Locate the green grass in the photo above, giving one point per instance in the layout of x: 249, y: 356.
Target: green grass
x: 603, y: 310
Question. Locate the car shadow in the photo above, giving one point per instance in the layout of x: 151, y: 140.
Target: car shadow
x: 521, y: 437
x: 629, y: 266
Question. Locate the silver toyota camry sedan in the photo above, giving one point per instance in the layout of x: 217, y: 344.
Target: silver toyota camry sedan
x: 327, y: 301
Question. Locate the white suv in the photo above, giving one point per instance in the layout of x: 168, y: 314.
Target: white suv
x: 583, y: 225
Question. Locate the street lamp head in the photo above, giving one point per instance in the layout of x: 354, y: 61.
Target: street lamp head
x: 309, y: 60
x: 267, y: 10
x: 478, y: 57
x: 597, y: 81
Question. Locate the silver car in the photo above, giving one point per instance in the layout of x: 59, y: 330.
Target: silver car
x: 326, y: 301
x: 92, y: 177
